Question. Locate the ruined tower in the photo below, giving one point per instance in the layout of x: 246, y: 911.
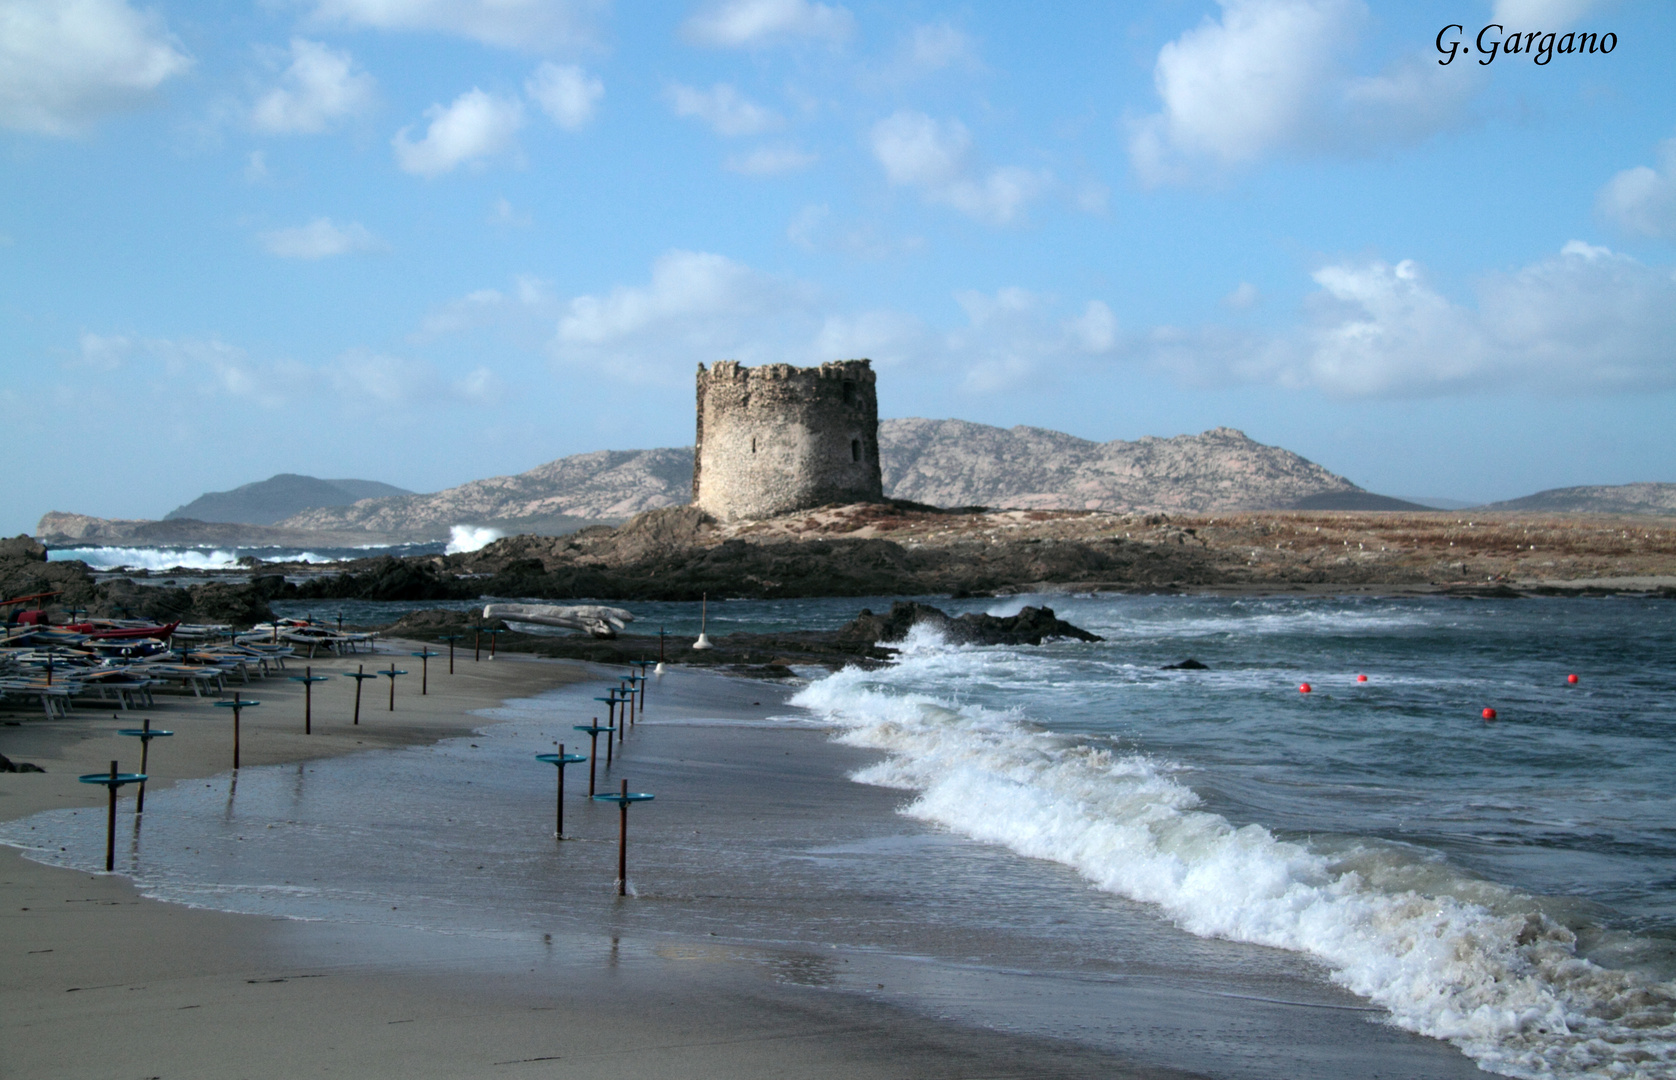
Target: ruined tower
x: 777, y: 438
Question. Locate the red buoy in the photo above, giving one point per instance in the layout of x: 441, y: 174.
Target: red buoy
x: 1489, y: 714
x: 1361, y: 678
x: 1572, y: 679
x: 1304, y: 688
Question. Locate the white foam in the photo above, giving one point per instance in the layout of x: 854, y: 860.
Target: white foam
x: 464, y: 538
x: 1450, y: 957
x: 136, y: 558
x: 109, y: 558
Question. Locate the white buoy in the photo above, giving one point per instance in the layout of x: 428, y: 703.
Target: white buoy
x: 703, y: 641
x: 659, y: 669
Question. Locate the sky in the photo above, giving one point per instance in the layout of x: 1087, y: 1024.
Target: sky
x: 429, y: 241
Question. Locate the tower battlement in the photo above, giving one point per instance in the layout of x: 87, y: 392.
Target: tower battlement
x: 776, y: 438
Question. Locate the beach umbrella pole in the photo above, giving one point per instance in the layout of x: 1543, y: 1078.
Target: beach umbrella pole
x: 145, y: 753
x: 622, y: 834
x: 110, y: 825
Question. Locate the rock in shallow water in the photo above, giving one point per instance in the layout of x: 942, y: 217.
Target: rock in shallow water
x: 1030, y: 626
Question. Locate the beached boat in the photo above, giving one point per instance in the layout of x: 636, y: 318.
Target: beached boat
x: 594, y: 619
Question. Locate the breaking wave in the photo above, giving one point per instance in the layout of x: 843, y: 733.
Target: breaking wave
x: 464, y: 538
x: 134, y: 558
x: 1448, y: 955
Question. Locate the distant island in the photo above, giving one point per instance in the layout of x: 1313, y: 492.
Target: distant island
x: 270, y: 501
x: 945, y: 463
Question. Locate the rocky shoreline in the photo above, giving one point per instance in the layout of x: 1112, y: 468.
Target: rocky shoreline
x: 902, y: 549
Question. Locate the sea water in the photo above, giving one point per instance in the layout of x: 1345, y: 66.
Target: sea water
x: 1504, y: 886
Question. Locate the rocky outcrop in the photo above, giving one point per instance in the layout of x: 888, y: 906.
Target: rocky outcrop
x: 24, y: 547
x: 957, y: 463
x: 1031, y: 626
x: 121, y: 598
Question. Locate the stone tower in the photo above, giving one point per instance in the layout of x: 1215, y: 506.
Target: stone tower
x: 777, y: 438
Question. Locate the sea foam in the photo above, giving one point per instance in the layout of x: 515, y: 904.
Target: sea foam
x: 1456, y: 958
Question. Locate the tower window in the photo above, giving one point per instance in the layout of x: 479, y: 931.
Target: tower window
x: 753, y: 444
x: 849, y: 392
x: 855, y: 448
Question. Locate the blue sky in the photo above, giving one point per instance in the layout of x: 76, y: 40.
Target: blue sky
x: 427, y: 241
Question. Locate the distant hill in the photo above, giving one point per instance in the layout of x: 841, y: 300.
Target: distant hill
x: 1597, y: 499
x: 560, y: 496
x: 270, y: 501
x: 958, y: 463
x: 939, y: 462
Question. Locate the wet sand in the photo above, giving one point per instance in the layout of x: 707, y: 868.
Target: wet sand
x: 98, y: 981
x: 786, y: 922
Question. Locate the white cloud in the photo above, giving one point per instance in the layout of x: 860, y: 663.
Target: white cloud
x: 502, y: 213
x: 320, y: 239
x: 566, y: 93
x: 687, y: 287
x: 1586, y: 320
x: 936, y: 47
x: 1267, y: 77
x: 476, y: 126
x: 726, y: 110
x: 66, y: 63
x: 1095, y: 329
x: 103, y: 352
x: 527, y: 25
x: 382, y: 379
x: 1643, y: 200
x: 814, y: 229
x: 771, y: 161
x: 755, y: 23
x: 480, y: 386
x: 320, y: 88
x: 529, y: 298
x: 1244, y: 297
x: 937, y: 158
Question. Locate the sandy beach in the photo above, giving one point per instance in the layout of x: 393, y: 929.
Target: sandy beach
x: 99, y: 981
x: 724, y: 962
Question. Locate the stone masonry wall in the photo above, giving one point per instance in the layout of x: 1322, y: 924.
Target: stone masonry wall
x: 777, y: 438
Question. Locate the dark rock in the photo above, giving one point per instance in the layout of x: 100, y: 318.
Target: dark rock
x: 8, y: 765
x: 24, y: 546
x: 1188, y: 664
x: 1030, y: 626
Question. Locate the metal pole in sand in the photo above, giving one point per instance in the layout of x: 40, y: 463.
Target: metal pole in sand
x: 112, y: 781
x: 622, y: 799
x: 308, y: 678
x: 237, y: 706
x: 110, y: 823
x: 611, y: 719
x: 145, y: 734
x: 450, y: 638
x: 360, y: 676
x: 391, y: 675
x: 424, y: 656
x: 593, y: 731
x: 561, y: 759
x: 476, y: 644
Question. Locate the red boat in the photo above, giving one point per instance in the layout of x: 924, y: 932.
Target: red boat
x: 123, y: 633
